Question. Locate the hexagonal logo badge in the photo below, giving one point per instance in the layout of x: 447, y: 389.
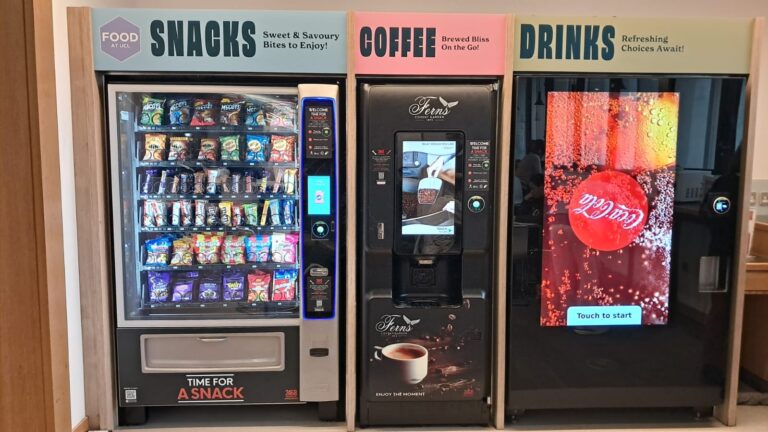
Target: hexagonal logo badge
x: 120, y: 39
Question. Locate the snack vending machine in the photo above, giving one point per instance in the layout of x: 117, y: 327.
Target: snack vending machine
x: 225, y: 204
x: 622, y: 237
x: 427, y: 252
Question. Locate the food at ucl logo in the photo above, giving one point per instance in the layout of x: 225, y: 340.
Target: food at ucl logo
x: 120, y: 39
x: 608, y: 210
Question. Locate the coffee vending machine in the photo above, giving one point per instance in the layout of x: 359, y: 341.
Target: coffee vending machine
x: 427, y: 157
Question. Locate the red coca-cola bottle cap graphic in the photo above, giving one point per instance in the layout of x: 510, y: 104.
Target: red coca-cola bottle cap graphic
x: 608, y: 210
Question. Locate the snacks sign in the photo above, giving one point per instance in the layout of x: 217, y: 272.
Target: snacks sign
x: 219, y: 41
x: 429, y: 44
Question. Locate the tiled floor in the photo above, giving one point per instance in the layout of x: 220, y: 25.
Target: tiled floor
x: 284, y: 419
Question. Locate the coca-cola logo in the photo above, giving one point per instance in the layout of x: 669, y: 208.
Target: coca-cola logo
x: 608, y: 210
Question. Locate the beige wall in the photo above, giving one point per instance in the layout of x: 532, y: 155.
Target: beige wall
x: 649, y: 8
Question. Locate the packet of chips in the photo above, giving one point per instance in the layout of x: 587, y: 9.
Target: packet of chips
x: 209, y: 289
x: 178, y: 111
x: 234, y: 286
x: 158, y: 250
x: 284, y: 285
x: 212, y: 215
x: 284, y: 248
x: 152, y: 110
x: 205, y: 112
x: 158, y: 286
x: 200, y: 206
x: 281, y: 115
x: 230, y: 147
x: 257, y: 248
x: 257, y: 148
x: 288, y: 209
x: 274, y: 213
x: 182, y: 290
x: 207, y: 247
x: 230, y: 111
x: 209, y: 149
x: 289, y: 181
x: 154, y: 147
x: 258, y: 286
x: 282, y: 148
x: 254, y: 115
x: 225, y: 213
x: 182, y: 252
x: 180, y: 146
x: 251, y: 213
x: 212, y: 175
x: 233, y: 250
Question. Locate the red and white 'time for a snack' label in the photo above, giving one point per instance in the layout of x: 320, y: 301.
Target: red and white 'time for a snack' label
x: 608, y: 210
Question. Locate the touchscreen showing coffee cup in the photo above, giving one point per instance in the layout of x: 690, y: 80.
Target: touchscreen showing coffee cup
x: 407, y: 360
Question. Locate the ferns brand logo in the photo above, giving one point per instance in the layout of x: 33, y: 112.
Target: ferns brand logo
x: 395, y: 325
x: 431, y: 108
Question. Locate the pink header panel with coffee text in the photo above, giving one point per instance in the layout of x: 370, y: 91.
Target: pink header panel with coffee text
x: 429, y: 44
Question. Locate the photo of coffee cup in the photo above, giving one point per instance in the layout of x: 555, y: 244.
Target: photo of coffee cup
x: 408, y: 360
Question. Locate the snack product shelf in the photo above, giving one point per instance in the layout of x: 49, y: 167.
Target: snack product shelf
x: 250, y: 266
x: 216, y: 229
x: 216, y: 129
x: 227, y: 197
x: 192, y: 164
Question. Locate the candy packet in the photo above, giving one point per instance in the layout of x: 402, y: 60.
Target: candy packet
x: 289, y: 181
x: 265, y: 213
x: 178, y: 111
x: 158, y: 286
x: 207, y: 247
x: 257, y: 148
x: 152, y: 110
x: 182, y: 290
x: 234, y: 286
x: 288, y: 209
x: 199, y: 182
x: 284, y: 248
x: 158, y: 250
x: 225, y: 213
x: 212, y: 175
x: 233, y: 250
x: 148, y: 214
x: 205, y: 112
x: 282, y: 148
x: 161, y: 213
x: 180, y: 148
x: 223, y: 181
x: 230, y: 111
x: 176, y: 213
x: 284, y: 285
x: 235, y: 187
x: 274, y: 213
x: 209, y: 149
x: 258, y: 286
x: 230, y: 147
x: 209, y: 289
x: 200, y: 206
x: 237, y: 215
x: 154, y: 147
x: 251, y: 211
x: 212, y: 215
x: 182, y: 252
x: 186, y: 213
x: 257, y: 248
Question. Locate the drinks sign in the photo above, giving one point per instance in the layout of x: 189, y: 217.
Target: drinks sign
x: 429, y: 44
x: 219, y: 41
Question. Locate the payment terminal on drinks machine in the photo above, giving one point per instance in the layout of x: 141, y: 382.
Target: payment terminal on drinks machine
x: 427, y: 156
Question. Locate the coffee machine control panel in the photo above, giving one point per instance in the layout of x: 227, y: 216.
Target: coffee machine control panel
x: 319, y: 207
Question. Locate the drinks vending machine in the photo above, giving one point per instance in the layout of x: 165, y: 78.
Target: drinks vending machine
x: 427, y: 178
x: 225, y: 204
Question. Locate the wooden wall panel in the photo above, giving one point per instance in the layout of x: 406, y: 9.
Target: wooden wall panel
x: 34, y: 377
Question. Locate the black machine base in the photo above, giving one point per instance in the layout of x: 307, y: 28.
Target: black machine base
x: 330, y: 411
x: 420, y: 413
x: 132, y: 416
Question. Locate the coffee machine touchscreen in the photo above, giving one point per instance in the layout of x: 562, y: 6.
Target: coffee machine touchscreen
x: 429, y: 178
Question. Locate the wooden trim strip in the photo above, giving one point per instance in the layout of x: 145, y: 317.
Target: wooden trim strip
x: 92, y: 225
x: 82, y: 426
x: 726, y: 412
x: 351, y: 285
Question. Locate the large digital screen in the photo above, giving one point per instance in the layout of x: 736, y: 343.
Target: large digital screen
x: 609, y: 174
x: 428, y: 181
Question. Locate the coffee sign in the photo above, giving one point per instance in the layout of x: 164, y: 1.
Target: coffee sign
x: 429, y: 44
x: 219, y: 41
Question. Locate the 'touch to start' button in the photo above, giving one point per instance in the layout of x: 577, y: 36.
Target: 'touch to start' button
x: 476, y: 204
x: 320, y: 230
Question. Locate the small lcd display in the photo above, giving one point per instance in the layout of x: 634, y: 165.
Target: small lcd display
x: 318, y: 195
x: 428, y: 183
x: 608, y: 188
